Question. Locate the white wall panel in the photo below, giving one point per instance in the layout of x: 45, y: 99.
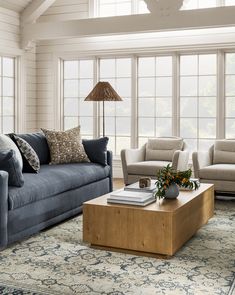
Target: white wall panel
x: 61, y: 10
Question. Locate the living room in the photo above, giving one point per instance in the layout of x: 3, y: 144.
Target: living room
x: 117, y: 151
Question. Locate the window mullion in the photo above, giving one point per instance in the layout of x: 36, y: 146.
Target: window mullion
x: 175, y: 96
x: 134, y: 103
x: 96, y: 114
x: 134, y: 6
x: 220, y: 95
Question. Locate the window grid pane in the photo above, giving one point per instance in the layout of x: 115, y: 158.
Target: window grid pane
x: 198, y: 87
x: 78, y: 82
x: 229, y: 95
x: 7, y: 94
x: 121, y: 7
x: 154, y: 97
x: 200, y: 4
x: 117, y: 71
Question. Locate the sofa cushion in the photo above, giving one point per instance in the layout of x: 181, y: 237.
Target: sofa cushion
x: 10, y: 164
x: 162, y: 149
x: 218, y: 172
x: 66, y: 146
x: 147, y: 168
x: 224, y: 152
x: 96, y: 149
x: 6, y: 143
x: 55, y: 179
x: 39, y: 143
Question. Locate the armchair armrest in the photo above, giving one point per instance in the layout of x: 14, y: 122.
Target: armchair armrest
x: 129, y: 156
x: 3, y: 208
x: 180, y: 160
x: 200, y: 160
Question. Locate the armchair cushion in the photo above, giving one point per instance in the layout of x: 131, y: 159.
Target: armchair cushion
x: 218, y: 172
x: 147, y: 168
x: 162, y: 149
x: 224, y: 152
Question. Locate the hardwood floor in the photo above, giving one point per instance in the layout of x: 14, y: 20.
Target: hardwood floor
x: 117, y: 183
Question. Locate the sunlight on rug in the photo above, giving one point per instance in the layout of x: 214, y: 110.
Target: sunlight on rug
x: 56, y: 261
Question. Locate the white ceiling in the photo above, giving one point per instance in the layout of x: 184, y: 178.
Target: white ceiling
x: 16, y: 5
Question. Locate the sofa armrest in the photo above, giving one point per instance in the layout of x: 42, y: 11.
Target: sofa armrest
x: 180, y: 160
x: 129, y: 156
x: 3, y: 208
x: 200, y: 160
x: 110, y: 163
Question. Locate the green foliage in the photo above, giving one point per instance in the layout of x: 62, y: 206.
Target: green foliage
x: 168, y: 175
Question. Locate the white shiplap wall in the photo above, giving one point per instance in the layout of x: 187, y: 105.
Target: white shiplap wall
x: 10, y: 46
x: 61, y: 10
x: 9, y: 30
x: 15, y: 5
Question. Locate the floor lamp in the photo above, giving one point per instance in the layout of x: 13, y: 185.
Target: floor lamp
x: 103, y: 91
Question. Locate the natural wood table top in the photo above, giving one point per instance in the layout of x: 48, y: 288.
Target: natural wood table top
x: 164, y: 205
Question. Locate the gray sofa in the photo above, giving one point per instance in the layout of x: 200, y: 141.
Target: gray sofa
x: 57, y: 192
x: 217, y: 165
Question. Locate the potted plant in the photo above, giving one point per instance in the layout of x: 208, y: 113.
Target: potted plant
x: 169, y: 181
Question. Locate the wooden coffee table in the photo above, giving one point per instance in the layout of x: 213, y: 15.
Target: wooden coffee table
x: 159, y: 228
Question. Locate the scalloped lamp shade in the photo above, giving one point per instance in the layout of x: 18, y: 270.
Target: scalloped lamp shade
x: 103, y: 91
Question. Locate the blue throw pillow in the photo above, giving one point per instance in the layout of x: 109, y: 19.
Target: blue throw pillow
x: 39, y: 143
x: 96, y: 150
x: 10, y: 164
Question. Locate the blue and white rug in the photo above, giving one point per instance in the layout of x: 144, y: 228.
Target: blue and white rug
x: 56, y: 261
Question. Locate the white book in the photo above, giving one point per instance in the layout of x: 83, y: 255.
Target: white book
x: 142, y: 204
x: 130, y: 195
x: 135, y: 187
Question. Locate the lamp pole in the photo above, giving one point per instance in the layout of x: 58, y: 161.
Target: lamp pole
x: 103, y: 120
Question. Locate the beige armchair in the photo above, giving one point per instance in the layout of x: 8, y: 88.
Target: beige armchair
x: 217, y: 165
x: 152, y: 157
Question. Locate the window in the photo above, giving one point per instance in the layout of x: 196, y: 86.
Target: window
x: 117, y: 71
x: 230, y: 95
x: 154, y: 97
x: 198, y: 91
x: 163, y: 95
x: 229, y: 2
x: 7, y: 95
x: 78, y: 82
x: 198, y: 4
x: 121, y: 7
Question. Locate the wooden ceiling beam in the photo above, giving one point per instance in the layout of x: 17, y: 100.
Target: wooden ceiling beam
x: 34, y: 10
x: 131, y: 24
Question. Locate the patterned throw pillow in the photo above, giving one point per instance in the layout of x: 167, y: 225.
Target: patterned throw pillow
x: 31, y: 161
x: 66, y: 146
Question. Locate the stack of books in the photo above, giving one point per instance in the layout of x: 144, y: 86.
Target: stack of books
x: 131, y: 198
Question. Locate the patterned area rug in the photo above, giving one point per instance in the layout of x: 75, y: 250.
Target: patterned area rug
x: 56, y: 261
